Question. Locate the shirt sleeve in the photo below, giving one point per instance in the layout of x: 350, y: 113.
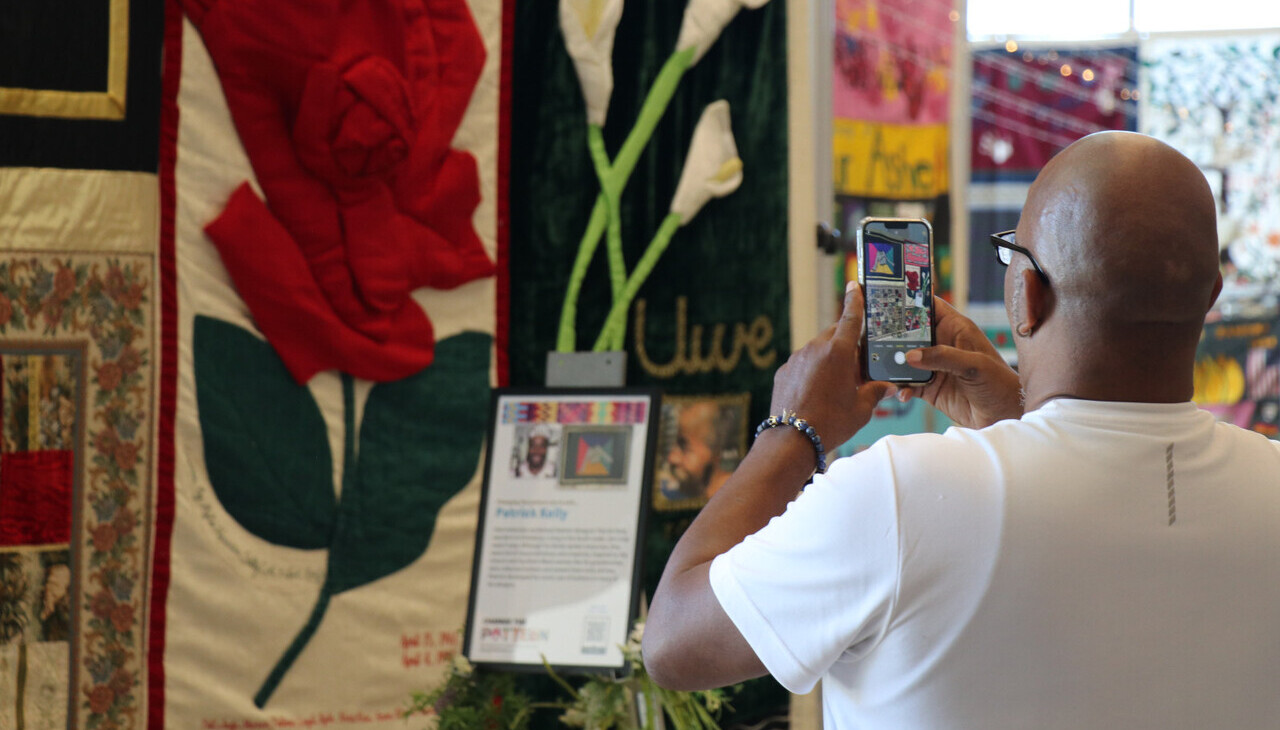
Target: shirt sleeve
x: 819, y: 581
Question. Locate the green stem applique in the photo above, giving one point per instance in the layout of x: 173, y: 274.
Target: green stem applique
x: 308, y: 629
x: 611, y: 189
x: 614, y: 330
x: 655, y: 105
x: 295, y: 648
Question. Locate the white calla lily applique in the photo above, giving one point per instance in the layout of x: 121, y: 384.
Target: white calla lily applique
x: 589, y: 27
x: 705, y: 19
x: 712, y: 169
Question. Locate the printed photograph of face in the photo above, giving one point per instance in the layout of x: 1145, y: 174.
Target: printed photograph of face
x: 701, y: 440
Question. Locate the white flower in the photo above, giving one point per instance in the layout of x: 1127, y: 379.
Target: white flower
x: 712, y: 168
x: 705, y: 19
x: 588, y: 27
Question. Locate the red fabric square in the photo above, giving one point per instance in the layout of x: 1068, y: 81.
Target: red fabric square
x: 35, y: 497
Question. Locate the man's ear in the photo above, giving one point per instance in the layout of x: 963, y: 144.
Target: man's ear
x: 1037, y: 299
x: 1217, y: 289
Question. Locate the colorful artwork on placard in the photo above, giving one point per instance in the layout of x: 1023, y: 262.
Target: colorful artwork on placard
x: 574, y: 412
x: 595, y: 455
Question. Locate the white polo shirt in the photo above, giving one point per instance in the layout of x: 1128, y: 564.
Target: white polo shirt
x: 1094, y: 565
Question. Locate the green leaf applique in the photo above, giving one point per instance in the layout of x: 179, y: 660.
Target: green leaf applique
x: 266, y: 446
x: 267, y: 454
x: 419, y: 445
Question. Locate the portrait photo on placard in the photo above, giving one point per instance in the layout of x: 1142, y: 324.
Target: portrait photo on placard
x: 535, y: 453
x: 701, y: 440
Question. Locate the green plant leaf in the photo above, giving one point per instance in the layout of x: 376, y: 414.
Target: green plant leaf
x: 266, y: 448
x: 419, y: 445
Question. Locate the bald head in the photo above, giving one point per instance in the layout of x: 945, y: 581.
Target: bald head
x: 1125, y: 227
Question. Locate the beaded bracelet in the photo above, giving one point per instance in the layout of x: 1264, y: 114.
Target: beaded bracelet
x: 788, y: 418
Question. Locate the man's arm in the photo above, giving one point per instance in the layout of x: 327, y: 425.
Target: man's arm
x: 689, y: 641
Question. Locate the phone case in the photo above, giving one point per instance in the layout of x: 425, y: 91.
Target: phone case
x: 894, y: 351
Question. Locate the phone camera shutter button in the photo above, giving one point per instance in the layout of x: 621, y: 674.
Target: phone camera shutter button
x: 900, y: 357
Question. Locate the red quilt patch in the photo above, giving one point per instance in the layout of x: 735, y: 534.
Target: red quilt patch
x: 35, y: 497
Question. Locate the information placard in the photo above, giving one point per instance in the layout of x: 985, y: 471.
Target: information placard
x: 557, y: 561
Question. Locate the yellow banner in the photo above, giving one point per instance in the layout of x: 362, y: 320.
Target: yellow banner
x: 894, y: 161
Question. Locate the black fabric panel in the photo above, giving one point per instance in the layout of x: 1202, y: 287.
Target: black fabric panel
x: 730, y: 262
x: 28, y: 60
x: 75, y: 38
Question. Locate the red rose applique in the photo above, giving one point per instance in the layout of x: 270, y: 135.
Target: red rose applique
x: 347, y: 111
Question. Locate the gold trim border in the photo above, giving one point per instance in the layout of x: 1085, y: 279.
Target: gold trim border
x: 109, y: 104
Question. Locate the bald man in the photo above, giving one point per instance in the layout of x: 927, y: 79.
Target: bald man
x: 1086, y: 550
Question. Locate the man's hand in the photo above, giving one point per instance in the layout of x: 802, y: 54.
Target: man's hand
x: 822, y: 382
x: 972, y: 384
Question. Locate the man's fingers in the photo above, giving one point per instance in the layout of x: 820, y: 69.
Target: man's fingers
x: 872, y: 392
x: 850, y: 322
x: 946, y: 359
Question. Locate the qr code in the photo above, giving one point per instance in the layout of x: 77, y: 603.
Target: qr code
x: 595, y: 634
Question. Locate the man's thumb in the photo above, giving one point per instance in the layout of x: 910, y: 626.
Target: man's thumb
x: 941, y: 357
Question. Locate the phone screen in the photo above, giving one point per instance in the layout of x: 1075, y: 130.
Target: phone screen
x: 896, y: 267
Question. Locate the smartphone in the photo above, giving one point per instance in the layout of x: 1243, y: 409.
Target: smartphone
x: 895, y: 269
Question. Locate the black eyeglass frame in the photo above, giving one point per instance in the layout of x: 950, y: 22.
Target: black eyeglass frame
x: 1005, y: 240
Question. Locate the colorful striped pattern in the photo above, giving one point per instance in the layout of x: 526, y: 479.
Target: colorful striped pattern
x: 570, y: 412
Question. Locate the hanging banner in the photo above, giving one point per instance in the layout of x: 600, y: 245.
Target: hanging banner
x: 1029, y: 104
x: 893, y: 161
x: 80, y: 360
x: 1026, y: 106
x: 1214, y: 99
x: 689, y: 330
x: 332, y: 352
x: 890, y: 97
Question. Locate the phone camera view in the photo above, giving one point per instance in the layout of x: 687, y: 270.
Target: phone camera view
x: 897, y: 270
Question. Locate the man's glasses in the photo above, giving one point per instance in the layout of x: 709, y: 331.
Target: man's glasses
x: 1004, y: 244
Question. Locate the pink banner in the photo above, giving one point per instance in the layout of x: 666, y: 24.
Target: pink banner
x: 893, y: 60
